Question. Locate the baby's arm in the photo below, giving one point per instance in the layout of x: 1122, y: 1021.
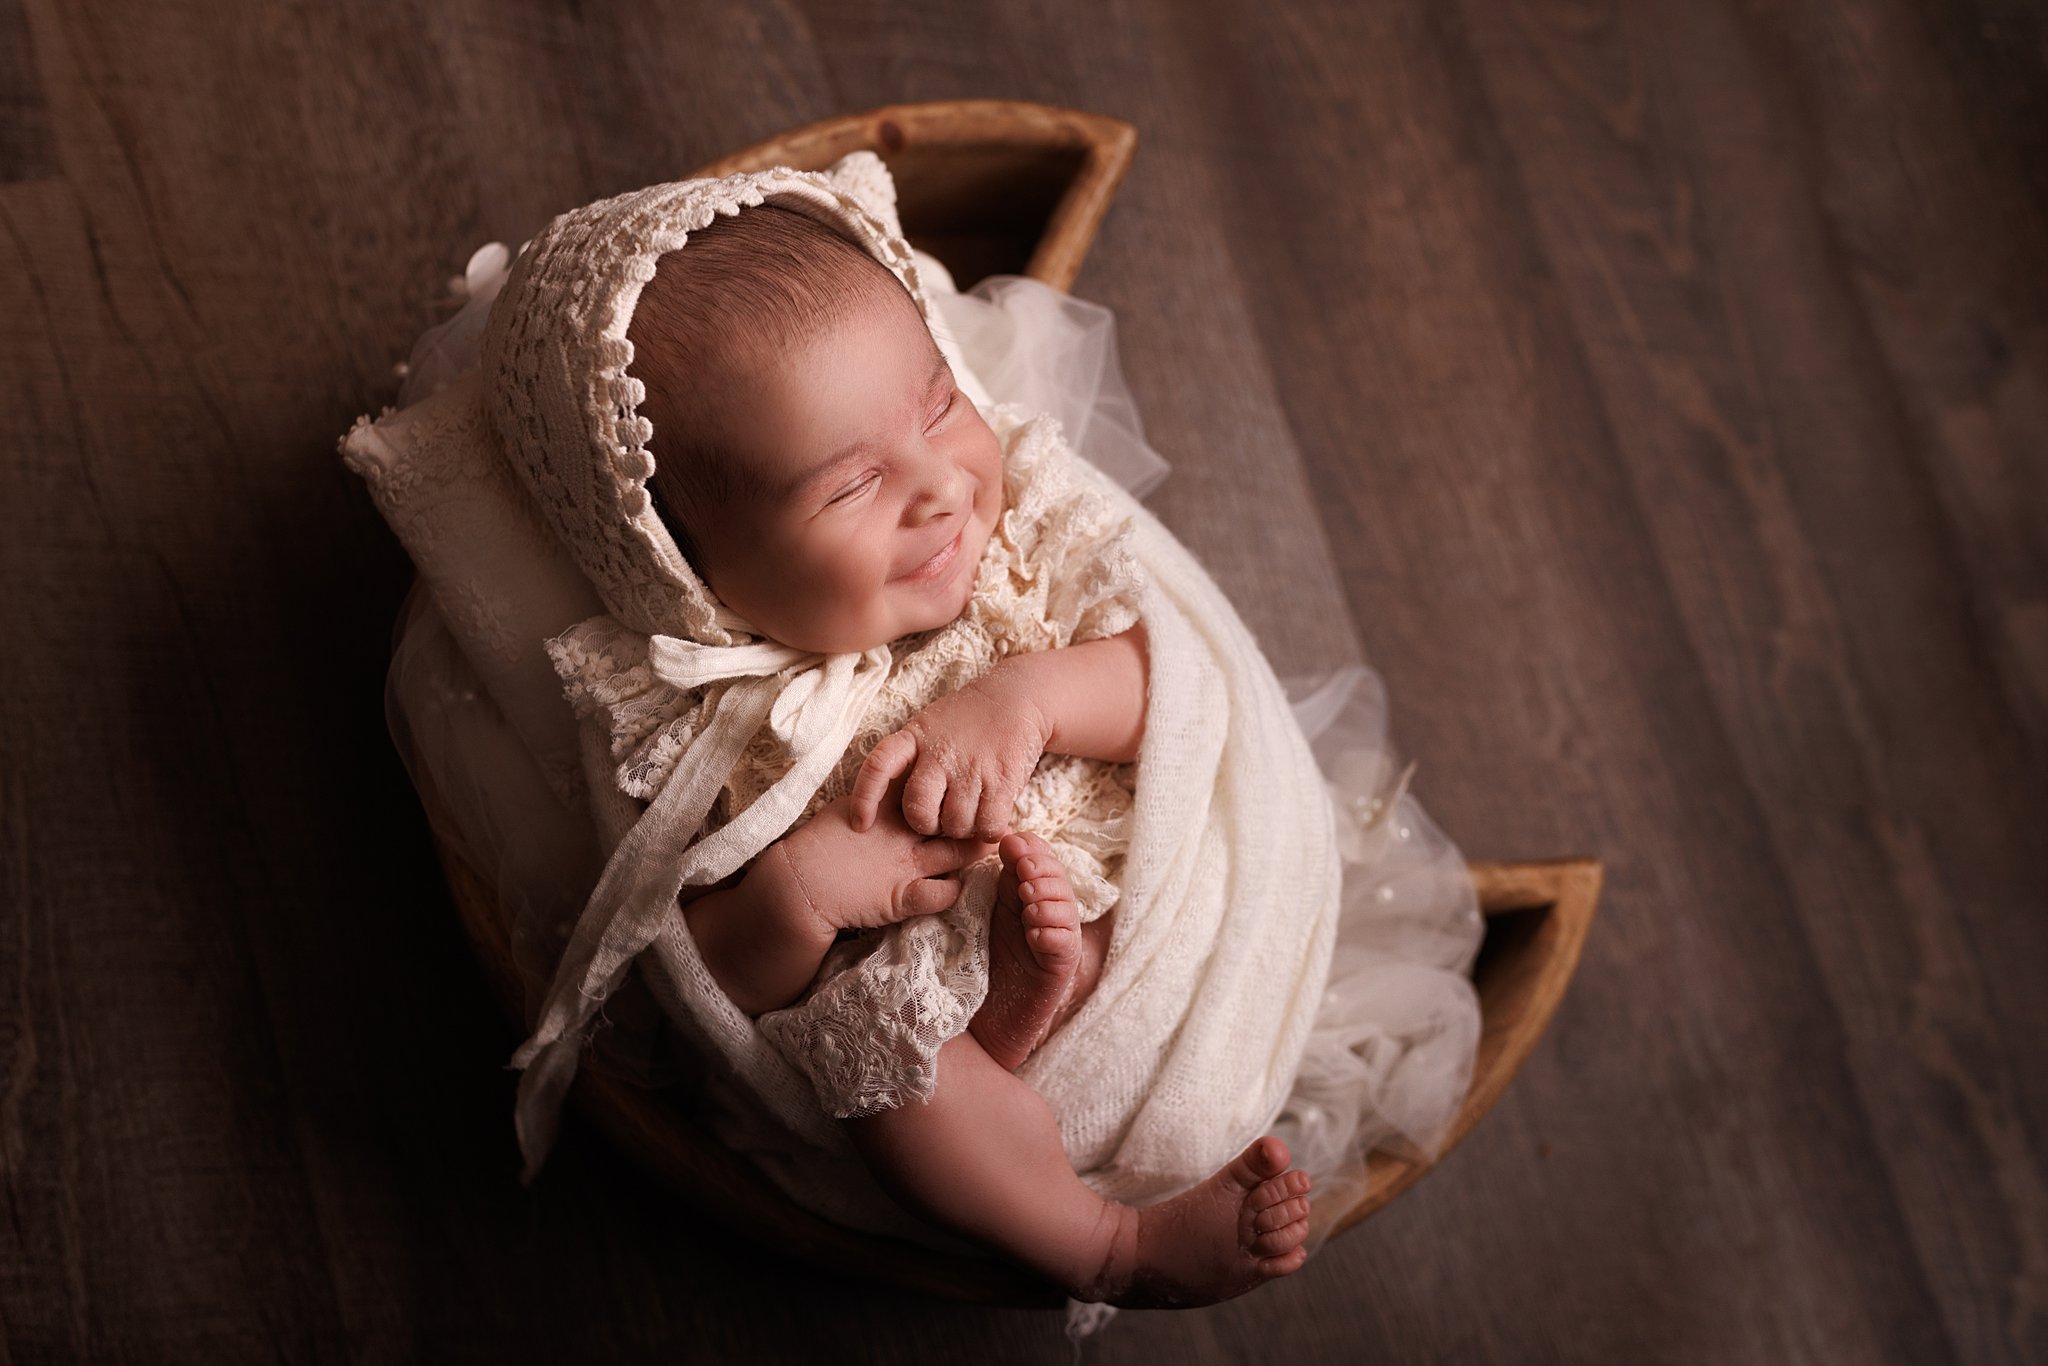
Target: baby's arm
x: 1094, y: 693
x: 968, y: 755
x: 764, y: 937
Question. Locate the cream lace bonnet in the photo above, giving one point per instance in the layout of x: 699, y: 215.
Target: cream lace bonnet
x: 555, y: 356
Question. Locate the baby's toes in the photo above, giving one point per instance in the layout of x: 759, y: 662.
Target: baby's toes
x: 1041, y: 878
x: 1020, y: 845
x: 1052, y: 926
x: 1286, y: 1264
x: 1279, y: 1228
x: 1053, y: 947
x: 1275, y: 1241
x: 1276, y: 1190
x: 1276, y: 1201
x: 1039, y: 913
x: 1264, y: 1162
x: 1279, y: 1216
x: 1280, y: 1241
x: 1050, y: 884
x: 1048, y: 901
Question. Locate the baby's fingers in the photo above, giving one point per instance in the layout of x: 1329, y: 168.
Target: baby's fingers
x: 932, y: 857
x: 992, y: 817
x: 957, y: 813
x: 886, y: 763
x: 928, y: 896
x: 923, y: 792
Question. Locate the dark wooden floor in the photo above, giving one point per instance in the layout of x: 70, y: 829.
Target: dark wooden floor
x: 1656, y: 393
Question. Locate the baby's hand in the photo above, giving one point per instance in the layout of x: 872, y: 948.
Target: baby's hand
x: 968, y: 756
x: 854, y: 878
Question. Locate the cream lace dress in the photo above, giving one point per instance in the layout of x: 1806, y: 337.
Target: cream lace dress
x: 1057, y: 570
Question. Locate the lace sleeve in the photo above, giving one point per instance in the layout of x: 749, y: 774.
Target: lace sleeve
x: 608, y: 679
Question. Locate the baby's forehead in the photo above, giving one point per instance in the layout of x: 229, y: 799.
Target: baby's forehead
x: 747, y: 333
x: 887, y: 334
x: 754, y: 399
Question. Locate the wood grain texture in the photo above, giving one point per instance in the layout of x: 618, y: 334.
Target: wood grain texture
x: 1656, y: 395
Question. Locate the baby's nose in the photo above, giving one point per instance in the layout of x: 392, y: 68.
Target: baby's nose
x: 939, y: 493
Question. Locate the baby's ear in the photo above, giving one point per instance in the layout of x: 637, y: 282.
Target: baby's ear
x: 863, y: 175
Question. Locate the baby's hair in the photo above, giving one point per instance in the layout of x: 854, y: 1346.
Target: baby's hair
x: 743, y: 287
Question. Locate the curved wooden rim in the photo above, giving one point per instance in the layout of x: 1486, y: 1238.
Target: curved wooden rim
x: 1106, y: 145
x: 1564, y: 893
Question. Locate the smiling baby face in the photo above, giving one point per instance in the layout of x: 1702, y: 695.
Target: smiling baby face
x: 843, y: 487
x: 877, y: 485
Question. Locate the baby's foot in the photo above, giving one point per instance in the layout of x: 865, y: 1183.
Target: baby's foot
x: 1244, y: 1226
x: 1036, y: 952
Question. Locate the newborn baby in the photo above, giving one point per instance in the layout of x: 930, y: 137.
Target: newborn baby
x: 821, y: 471
x: 791, y: 781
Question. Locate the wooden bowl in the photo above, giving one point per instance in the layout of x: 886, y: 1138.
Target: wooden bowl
x: 990, y: 187
x: 995, y: 186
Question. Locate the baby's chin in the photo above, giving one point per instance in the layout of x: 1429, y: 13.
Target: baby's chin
x: 959, y: 591
x: 972, y: 552
x: 912, y: 621
x: 941, y: 614
x: 902, y: 612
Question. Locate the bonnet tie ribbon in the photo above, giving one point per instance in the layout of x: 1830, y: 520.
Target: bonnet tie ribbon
x: 814, y: 704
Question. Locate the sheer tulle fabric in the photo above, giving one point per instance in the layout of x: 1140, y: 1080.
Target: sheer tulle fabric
x: 1390, y: 1056
x: 1053, y: 353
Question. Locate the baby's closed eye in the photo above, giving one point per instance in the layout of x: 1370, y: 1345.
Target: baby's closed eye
x: 856, y: 488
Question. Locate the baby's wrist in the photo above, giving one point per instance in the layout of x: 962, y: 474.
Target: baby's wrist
x: 1089, y: 696
x: 1019, y: 684
x: 777, y: 889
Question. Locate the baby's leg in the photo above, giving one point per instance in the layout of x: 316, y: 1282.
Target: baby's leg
x: 1043, y: 961
x: 983, y: 1157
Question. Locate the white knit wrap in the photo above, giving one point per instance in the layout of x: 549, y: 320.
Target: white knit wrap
x: 1187, y: 1048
